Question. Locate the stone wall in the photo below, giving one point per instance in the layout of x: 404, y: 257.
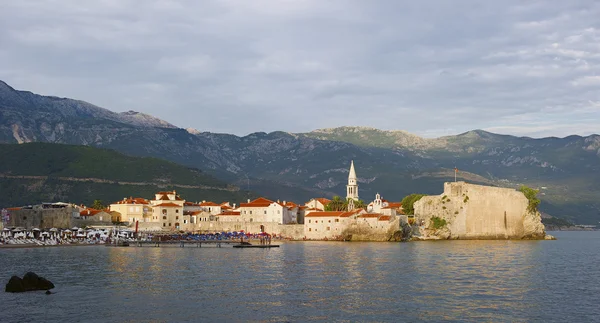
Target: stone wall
x: 477, y: 212
x: 363, y: 231
x: 42, y: 218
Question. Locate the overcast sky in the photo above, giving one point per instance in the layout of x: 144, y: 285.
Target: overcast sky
x: 239, y: 66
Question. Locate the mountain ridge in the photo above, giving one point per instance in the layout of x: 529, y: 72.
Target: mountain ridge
x: 299, y: 166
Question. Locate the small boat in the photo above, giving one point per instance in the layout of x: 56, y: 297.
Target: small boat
x: 256, y: 246
x: 118, y: 244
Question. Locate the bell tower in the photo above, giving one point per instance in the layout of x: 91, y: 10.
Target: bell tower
x: 352, y: 187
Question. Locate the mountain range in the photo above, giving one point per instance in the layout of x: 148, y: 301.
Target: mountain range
x: 298, y: 166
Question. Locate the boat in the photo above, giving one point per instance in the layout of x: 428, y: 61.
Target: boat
x: 256, y: 246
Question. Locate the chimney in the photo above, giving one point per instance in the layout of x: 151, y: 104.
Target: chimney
x: 278, y: 201
x: 248, y: 200
x: 284, y: 202
x: 234, y: 205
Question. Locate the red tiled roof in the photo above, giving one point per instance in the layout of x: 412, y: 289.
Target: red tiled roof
x: 89, y: 212
x: 350, y: 213
x: 209, y: 204
x: 259, y: 202
x: 394, y: 204
x: 314, y: 209
x: 369, y: 215
x: 169, y: 205
x: 225, y: 207
x: 229, y: 213
x: 325, y: 213
x: 323, y: 200
x: 190, y: 204
x: 13, y: 208
x: 385, y: 218
x: 302, y: 207
x: 135, y: 200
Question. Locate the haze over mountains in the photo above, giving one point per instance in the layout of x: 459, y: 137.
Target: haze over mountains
x: 304, y: 165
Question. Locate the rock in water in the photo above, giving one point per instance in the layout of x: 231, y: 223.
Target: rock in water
x: 30, y: 282
x: 14, y: 285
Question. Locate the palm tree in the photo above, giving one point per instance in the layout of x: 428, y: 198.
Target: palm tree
x: 337, y: 204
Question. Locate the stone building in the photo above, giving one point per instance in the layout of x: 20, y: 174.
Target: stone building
x: 469, y: 211
x: 131, y: 210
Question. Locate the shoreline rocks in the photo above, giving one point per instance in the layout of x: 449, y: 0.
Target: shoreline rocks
x: 29, y: 282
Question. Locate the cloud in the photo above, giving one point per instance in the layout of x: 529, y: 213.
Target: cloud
x: 432, y: 68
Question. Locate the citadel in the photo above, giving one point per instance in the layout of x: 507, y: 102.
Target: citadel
x: 462, y: 211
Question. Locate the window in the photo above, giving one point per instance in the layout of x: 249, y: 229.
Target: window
x: 164, y: 224
x: 308, y: 221
x: 265, y: 211
x: 329, y: 221
x: 328, y: 229
x: 309, y: 229
x: 250, y: 212
x: 169, y: 223
x: 131, y: 209
x: 177, y: 217
x: 244, y: 211
x: 164, y: 217
x: 250, y: 219
x: 164, y: 211
x: 184, y: 221
x: 137, y: 208
x: 176, y: 211
x: 278, y: 211
x: 337, y: 220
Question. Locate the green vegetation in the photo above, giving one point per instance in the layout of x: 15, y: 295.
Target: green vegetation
x: 531, y: 195
x: 57, y: 160
x: 557, y: 222
x: 96, y: 177
x: 437, y: 223
x: 98, y: 205
x: 338, y: 204
x: 409, y: 201
x: 466, y: 199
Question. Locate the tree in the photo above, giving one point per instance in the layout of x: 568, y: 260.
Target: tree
x: 409, y: 201
x: 531, y: 195
x: 337, y: 204
x: 98, y: 205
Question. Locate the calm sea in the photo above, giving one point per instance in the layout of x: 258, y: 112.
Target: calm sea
x: 477, y: 281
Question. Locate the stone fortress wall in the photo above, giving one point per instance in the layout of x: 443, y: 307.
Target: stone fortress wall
x: 478, y: 212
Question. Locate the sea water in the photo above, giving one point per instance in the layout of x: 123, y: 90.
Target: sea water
x: 476, y: 281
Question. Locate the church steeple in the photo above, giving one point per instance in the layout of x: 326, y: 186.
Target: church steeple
x: 352, y: 187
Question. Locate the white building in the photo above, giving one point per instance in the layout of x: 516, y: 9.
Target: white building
x: 352, y: 187
x: 264, y: 210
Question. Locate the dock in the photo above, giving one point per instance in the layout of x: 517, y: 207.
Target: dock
x: 198, y: 244
x: 184, y: 243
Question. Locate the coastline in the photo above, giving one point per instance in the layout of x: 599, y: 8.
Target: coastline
x: 24, y: 246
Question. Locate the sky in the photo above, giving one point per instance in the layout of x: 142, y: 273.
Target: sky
x: 432, y: 68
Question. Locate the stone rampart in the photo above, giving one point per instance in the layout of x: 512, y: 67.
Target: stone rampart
x: 364, y: 231
x: 42, y: 218
x: 477, y: 212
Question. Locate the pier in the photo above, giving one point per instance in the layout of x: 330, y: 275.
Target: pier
x: 184, y: 243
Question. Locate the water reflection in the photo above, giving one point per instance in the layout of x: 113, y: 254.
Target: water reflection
x: 510, y: 281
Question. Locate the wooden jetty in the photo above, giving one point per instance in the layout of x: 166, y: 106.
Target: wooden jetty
x: 199, y: 244
x: 256, y: 246
x: 183, y: 243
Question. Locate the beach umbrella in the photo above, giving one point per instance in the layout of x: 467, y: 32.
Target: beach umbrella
x: 53, y: 230
x: 35, y: 229
x: 6, y: 229
x: 67, y: 231
x: 74, y: 228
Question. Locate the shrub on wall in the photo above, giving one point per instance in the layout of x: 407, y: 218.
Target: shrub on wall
x: 437, y: 223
